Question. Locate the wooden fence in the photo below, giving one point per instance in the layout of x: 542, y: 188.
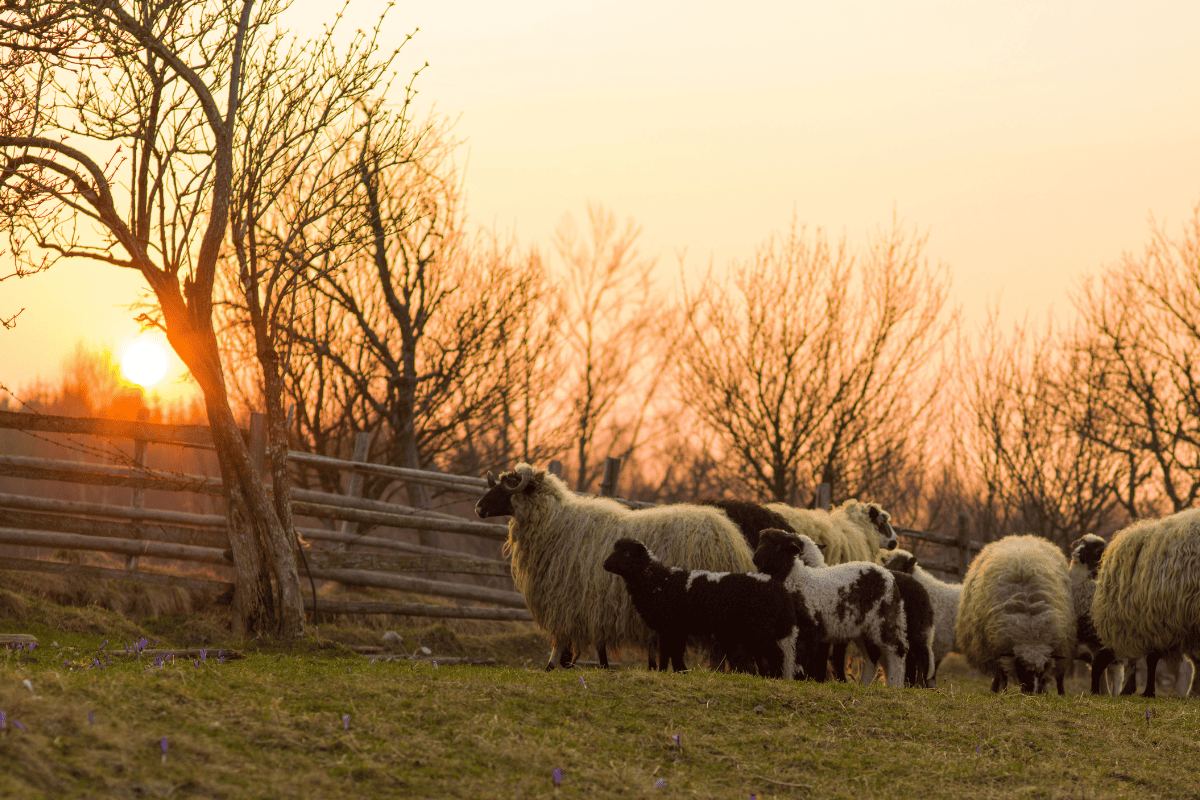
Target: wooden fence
x: 138, y: 532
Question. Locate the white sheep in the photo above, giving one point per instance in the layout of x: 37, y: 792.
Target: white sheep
x: 1015, y: 620
x: 854, y: 531
x: 1147, y: 600
x: 558, y: 542
x: 856, y: 602
x: 943, y: 597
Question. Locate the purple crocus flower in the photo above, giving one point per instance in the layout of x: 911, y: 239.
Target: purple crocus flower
x: 96, y: 663
x: 17, y: 724
x: 676, y: 740
x: 163, y: 744
x: 660, y: 784
x: 581, y: 680
x: 435, y: 665
x: 196, y: 664
x: 3, y: 721
x: 345, y: 722
x: 557, y: 776
x: 104, y: 645
x: 91, y: 717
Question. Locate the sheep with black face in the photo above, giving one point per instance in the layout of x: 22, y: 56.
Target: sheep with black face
x: 558, y: 542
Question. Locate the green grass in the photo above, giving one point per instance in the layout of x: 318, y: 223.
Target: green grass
x: 271, y: 725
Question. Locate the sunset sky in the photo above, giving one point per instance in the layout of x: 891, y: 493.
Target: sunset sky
x: 1033, y: 141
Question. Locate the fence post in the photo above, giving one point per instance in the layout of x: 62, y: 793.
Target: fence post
x: 824, y: 499
x: 555, y: 468
x: 964, y: 544
x: 139, y: 494
x: 612, y: 471
x: 362, y: 448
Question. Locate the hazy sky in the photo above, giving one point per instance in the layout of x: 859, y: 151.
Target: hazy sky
x: 1033, y: 141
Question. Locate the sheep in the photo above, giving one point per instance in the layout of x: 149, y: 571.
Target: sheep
x: 1147, y: 599
x: 749, y: 517
x: 1086, y: 553
x: 750, y: 615
x: 854, y: 531
x: 1015, y: 620
x: 558, y: 541
x: 856, y: 602
x: 943, y: 596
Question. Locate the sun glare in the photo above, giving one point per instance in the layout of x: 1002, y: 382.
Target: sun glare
x: 144, y: 362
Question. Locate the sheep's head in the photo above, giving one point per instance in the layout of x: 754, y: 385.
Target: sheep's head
x: 882, y: 522
x: 778, y: 550
x: 629, y: 556
x: 498, y: 500
x: 901, y: 561
x: 1087, y: 551
x: 1033, y: 666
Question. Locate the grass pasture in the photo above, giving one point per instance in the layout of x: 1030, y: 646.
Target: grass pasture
x: 275, y: 724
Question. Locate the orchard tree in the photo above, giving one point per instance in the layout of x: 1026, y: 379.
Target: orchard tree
x: 119, y: 147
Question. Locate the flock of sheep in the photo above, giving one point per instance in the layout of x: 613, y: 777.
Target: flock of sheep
x: 782, y: 591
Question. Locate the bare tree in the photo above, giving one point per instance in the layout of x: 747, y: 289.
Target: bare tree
x: 1043, y: 470
x: 124, y: 155
x: 613, y: 325
x: 1139, y: 331
x: 415, y: 320
x: 810, y: 363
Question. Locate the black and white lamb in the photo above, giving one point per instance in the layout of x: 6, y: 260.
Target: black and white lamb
x: 855, y: 602
x: 751, y: 616
x: 1086, y: 553
x: 943, y: 596
x: 1147, y: 600
x: 558, y: 541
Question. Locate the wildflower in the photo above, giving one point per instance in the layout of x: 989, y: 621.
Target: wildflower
x: 3, y: 721
x: 104, y: 645
x: 345, y: 722
x: 203, y: 656
x: 557, y: 776
x: 676, y: 740
x: 91, y: 717
x: 196, y: 664
x: 18, y: 726
x: 435, y: 664
x: 660, y: 784
x: 163, y: 744
x: 581, y: 680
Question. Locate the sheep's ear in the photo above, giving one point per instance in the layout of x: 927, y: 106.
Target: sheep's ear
x: 491, y: 479
x: 873, y: 512
x: 820, y: 546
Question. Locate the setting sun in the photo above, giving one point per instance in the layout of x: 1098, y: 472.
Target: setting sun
x: 144, y: 362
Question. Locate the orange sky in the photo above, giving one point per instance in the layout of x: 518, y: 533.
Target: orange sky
x: 1033, y: 141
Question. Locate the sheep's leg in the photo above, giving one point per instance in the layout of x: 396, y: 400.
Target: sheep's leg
x: 999, y: 681
x: 817, y: 668
x: 671, y: 649
x: 1130, y: 677
x: 1151, y: 668
x: 837, y: 659
x: 1193, y: 663
x: 1100, y: 662
x: 893, y: 668
x: 602, y: 656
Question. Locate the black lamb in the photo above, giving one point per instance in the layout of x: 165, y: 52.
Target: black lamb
x: 750, y: 615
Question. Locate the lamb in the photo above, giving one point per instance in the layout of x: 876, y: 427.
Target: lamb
x: 1147, y: 599
x: 1086, y: 553
x: 558, y: 541
x: 943, y: 597
x: 856, y: 602
x: 854, y: 531
x: 751, y: 518
x: 750, y: 615
x: 1015, y: 620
